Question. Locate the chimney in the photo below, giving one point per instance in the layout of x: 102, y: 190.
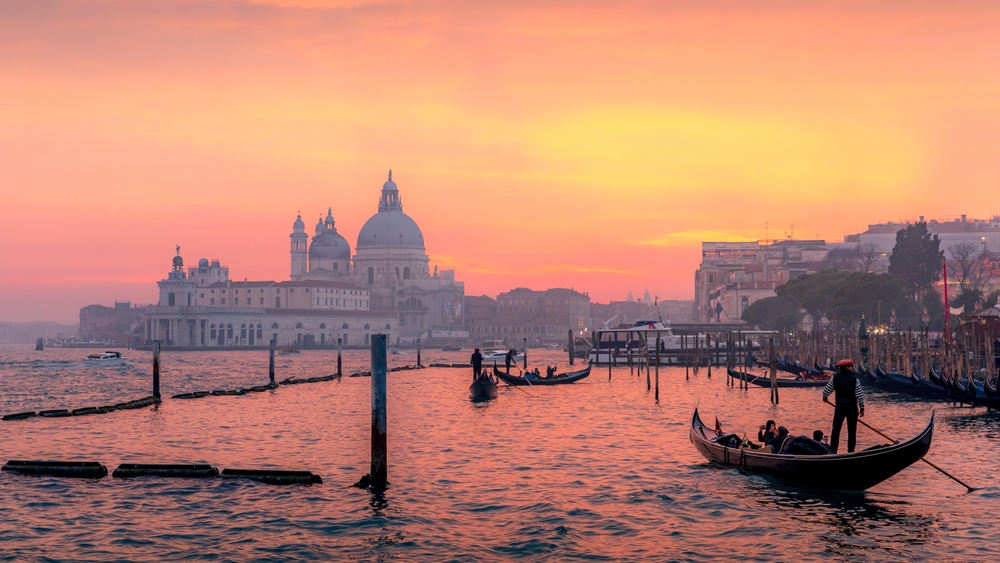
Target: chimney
x: 963, y: 217
x: 921, y: 218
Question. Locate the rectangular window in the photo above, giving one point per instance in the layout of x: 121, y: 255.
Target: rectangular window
x: 202, y: 295
x: 170, y: 299
x: 261, y: 302
x: 223, y: 300
x: 211, y: 291
x: 212, y: 301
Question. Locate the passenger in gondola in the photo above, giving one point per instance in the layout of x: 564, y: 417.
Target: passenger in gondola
x: 549, y: 372
x: 531, y: 374
x: 770, y: 435
x: 850, y: 404
x: 477, y: 364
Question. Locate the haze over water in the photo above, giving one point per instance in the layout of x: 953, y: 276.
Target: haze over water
x: 590, y: 471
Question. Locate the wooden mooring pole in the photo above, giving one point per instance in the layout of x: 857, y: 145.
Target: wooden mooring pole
x: 774, y: 372
x: 156, y: 369
x: 708, y: 352
x: 687, y: 361
x: 569, y: 346
x: 380, y: 465
x: 340, y: 352
x: 270, y: 361
x: 657, y: 396
x: 525, y: 354
x: 418, y: 352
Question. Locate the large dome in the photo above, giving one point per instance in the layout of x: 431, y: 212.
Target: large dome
x: 390, y: 228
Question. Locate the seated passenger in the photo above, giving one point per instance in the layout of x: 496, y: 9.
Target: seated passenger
x: 803, y: 445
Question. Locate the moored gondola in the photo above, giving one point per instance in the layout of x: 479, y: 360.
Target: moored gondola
x: 559, y: 379
x: 482, y: 389
x: 847, y: 472
x: 765, y: 381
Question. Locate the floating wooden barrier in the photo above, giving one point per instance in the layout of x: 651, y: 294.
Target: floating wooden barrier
x: 108, y: 408
x: 55, y: 413
x: 180, y: 470
x: 229, y: 392
x: 187, y: 396
x: 273, y: 477
x: 76, y: 469
x: 19, y: 415
x: 361, y: 374
x: 86, y: 411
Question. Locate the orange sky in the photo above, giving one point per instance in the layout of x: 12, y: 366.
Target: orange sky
x: 581, y: 144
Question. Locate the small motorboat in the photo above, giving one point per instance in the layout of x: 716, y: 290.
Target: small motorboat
x: 484, y: 388
x: 288, y: 352
x: 108, y: 358
x: 855, y: 471
x: 500, y: 355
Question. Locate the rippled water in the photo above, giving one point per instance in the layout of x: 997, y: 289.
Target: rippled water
x: 590, y: 471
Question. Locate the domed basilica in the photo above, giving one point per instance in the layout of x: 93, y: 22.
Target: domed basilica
x: 389, y: 278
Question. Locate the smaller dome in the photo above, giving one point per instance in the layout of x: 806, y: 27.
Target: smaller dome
x: 298, y: 225
x: 389, y: 185
x: 178, y: 261
x: 320, y: 227
x: 203, y: 263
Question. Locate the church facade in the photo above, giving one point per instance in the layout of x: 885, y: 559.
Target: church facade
x: 386, y: 288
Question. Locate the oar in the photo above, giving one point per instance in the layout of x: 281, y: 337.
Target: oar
x: 894, y: 441
x: 518, y: 388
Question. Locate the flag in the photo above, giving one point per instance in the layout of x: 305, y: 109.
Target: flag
x: 718, y: 427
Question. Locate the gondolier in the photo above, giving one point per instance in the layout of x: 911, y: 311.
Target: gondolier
x: 849, y: 404
x: 477, y: 363
x: 508, y: 359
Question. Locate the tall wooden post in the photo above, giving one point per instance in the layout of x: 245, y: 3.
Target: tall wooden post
x: 657, y: 360
x: 270, y: 358
x: 569, y: 346
x: 657, y: 396
x: 774, y: 373
x: 708, y: 352
x: 525, y: 354
x: 156, y: 369
x: 418, y: 352
x: 687, y: 362
x: 610, y: 359
x: 380, y: 465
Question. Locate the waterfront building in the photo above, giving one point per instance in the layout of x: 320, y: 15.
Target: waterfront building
x: 112, y: 324
x: 387, y: 288
x: 543, y: 317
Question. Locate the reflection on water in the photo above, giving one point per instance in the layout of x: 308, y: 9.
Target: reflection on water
x: 594, y: 470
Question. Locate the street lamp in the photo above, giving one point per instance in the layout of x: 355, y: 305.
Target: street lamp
x: 892, y: 319
x: 926, y: 319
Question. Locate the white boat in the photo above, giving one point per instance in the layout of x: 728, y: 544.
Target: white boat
x: 108, y: 358
x: 500, y: 355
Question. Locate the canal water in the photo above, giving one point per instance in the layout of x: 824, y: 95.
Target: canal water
x: 594, y: 471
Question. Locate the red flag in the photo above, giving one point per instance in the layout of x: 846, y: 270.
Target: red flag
x: 718, y: 427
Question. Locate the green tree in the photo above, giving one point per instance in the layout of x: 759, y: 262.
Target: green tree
x: 930, y: 300
x: 812, y: 292
x: 916, y: 259
x: 773, y: 313
x: 861, y: 294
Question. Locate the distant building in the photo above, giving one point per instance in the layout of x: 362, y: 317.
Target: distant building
x: 985, y: 232
x: 630, y: 311
x: 732, y: 275
x: 388, y: 289
x: 6, y: 333
x: 540, y: 316
x: 114, y: 324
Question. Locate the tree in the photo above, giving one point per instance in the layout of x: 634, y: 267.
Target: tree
x: 773, y: 313
x: 971, y: 267
x: 869, y: 255
x: 812, y: 291
x: 990, y: 300
x: 844, y: 259
x: 916, y: 259
x: 930, y: 300
x: 861, y: 294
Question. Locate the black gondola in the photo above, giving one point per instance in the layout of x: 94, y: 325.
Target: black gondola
x: 560, y: 379
x: 846, y: 472
x: 765, y: 381
x: 482, y: 389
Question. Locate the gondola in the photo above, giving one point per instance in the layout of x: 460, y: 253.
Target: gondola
x: 896, y: 383
x: 765, y: 381
x: 482, y: 389
x: 846, y: 472
x: 559, y: 379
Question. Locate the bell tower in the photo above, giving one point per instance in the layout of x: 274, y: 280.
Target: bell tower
x: 299, y: 247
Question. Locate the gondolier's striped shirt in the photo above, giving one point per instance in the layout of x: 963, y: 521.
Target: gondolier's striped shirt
x: 858, y: 393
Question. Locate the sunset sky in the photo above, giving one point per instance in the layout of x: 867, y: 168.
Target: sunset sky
x: 579, y: 144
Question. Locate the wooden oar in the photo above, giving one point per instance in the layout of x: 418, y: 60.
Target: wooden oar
x: 895, y: 441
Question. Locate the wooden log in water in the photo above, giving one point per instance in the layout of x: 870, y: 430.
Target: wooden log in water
x: 75, y: 469
x: 183, y: 471
x: 272, y: 477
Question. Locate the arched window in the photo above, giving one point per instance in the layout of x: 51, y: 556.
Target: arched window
x: 345, y: 327
x: 298, y: 325
x: 229, y: 331
x: 212, y: 332
x: 413, y: 303
x: 243, y: 331
x: 388, y: 327
x: 406, y: 273
x: 322, y: 325
x: 367, y: 326
x: 371, y: 276
x: 274, y: 326
x: 260, y: 331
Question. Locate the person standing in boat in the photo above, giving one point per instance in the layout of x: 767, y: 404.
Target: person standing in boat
x: 477, y: 364
x: 849, y: 404
x: 508, y: 359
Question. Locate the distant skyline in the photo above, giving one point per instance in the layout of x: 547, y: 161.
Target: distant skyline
x: 540, y: 144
